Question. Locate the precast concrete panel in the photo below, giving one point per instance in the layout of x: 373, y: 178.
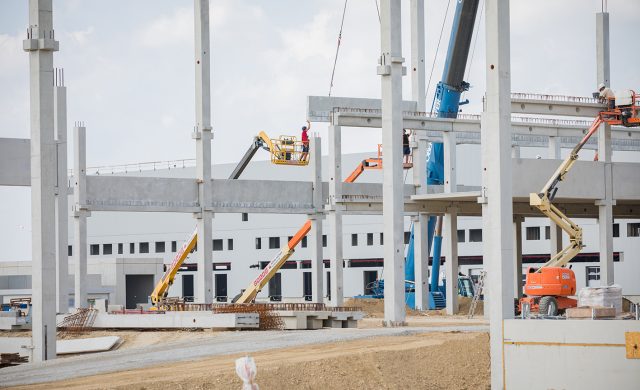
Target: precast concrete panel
x: 319, y: 108
x: 248, y: 195
x: 626, y: 181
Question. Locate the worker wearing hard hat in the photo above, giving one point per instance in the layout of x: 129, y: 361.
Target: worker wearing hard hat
x: 607, y: 94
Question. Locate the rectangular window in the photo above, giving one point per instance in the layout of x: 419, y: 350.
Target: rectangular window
x: 533, y: 232
x: 217, y: 244
x: 258, y: 243
x: 461, y: 236
x: 245, y: 217
x: 107, y: 249
x: 174, y: 246
x: 120, y: 248
x: 616, y: 230
x: 381, y: 238
x: 143, y: 247
x: 547, y: 232
x: 324, y: 240
x: 69, y: 250
x: 132, y: 247
x: 230, y: 244
x: 475, y: 235
x: 633, y: 230
x: 354, y: 239
x: 369, y: 239
x: 593, y: 276
x: 274, y: 242
x: 304, y: 242
x: 407, y: 237
x: 159, y: 246
x: 94, y: 249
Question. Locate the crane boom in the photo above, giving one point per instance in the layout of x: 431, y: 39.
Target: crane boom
x: 162, y: 287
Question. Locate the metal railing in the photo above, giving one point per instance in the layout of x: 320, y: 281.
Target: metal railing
x: 139, y: 167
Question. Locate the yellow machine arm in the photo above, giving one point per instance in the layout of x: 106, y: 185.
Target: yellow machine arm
x: 542, y: 201
x: 162, y: 288
x: 274, y: 266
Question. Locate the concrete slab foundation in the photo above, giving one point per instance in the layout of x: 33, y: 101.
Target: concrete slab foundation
x: 300, y: 320
x: 177, y: 319
x: 93, y: 344
x: 544, y: 354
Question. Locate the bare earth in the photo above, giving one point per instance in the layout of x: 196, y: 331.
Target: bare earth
x: 431, y: 360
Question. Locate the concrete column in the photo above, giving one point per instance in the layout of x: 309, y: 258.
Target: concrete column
x: 391, y: 70
x: 497, y: 206
x: 203, y: 136
x: 418, y: 84
x: 555, y: 233
x: 41, y: 44
x: 421, y: 261
x: 334, y: 217
x: 80, y: 214
x: 517, y: 225
x: 315, y: 235
x: 605, y: 206
x: 450, y: 237
x: 62, y: 193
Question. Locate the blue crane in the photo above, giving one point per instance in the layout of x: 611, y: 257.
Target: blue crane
x: 446, y: 104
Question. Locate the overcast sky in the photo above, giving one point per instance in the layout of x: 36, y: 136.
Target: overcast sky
x: 130, y: 75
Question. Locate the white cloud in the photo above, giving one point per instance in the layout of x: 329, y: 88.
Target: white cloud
x: 174, y: 29
x: 81, y: 37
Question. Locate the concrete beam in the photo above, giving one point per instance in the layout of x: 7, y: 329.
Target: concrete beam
x: 497, y: 207
x: 391, y: 69
x: 40, y: 44
x: 321, y: 108
x: 526, y: 103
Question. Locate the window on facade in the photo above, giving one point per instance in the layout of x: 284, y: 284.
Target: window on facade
x: 132, y: 247
x: 120, y: 248
x: 381, y: 238
x: 616, y: 230
x: 217, y: 244
x: 461, y: 236
x: 69, y: 250
x: 592, y: 273
x: 107, y: 249
x: 547, y: 232
x: 324, y: 240
x: 94, y: 249
x: 633, y: 230
x: 245, y: 217
x: 407, y: 237
x: 258, y: 243
x: 475, y: 235
x: 274, y: 242
x: 369, y: 239
x: 304, y: 242
x: 174, y: 246
x: 144, y: 247
x: 159, y: 246
x: 354, y: 239
x: 230, y: 244
x: 533, y: 232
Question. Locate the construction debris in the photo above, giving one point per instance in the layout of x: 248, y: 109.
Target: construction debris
x: 269, y: 319
x: 79, y: 322
x: 12, y: 359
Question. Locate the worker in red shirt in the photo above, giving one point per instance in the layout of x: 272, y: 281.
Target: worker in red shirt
x: 305, y: 142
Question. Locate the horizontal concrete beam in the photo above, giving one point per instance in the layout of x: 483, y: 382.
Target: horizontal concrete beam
x: 320, y: 108
x: 526, y: 103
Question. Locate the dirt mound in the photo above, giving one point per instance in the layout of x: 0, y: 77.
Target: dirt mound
x: 464, y: 304
x: 374, y: 308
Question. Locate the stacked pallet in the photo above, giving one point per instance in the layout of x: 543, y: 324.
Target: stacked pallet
x: 12, y: 359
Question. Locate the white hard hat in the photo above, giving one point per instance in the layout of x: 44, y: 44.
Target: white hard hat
x: 601, y: 86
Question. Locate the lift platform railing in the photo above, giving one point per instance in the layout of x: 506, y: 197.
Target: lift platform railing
x: 287, y: 150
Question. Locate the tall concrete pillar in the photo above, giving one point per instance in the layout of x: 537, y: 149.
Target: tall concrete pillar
x: 450, y: 242
x: 517, y: 226
x: 391, y: 70
x: 334, y: 217
x: 62, y: 193
x: 203, y: 136
x: 497, y: 206
x: 421, y: 260
x: 315, y: 235
x: 417, y: 54
x: 605, y: 206
x: 555, y: 232
x: 80, y: 214
x: 40, y: 44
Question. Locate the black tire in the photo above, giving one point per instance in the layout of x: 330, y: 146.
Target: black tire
x: 548, y: 306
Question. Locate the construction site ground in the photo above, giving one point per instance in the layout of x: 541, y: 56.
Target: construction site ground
x: 433, y: 351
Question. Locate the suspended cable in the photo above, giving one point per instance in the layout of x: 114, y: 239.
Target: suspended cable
x: 473, y: 51
x: 444, y: 20
x: 378, y: 10
x: 335, y: 60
